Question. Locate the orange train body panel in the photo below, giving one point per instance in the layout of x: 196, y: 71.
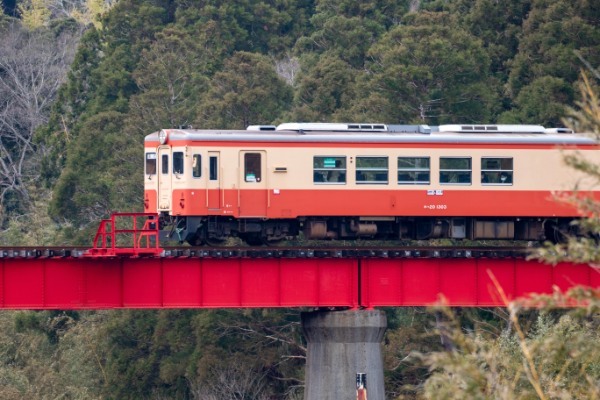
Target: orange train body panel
x: 150, y: 201
x: 297, y: 203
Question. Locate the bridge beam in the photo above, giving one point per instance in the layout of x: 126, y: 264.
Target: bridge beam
x: 342, y: 344
x: 198, y: 282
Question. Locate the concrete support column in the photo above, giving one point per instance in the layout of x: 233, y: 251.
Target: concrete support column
x: 340, y: 345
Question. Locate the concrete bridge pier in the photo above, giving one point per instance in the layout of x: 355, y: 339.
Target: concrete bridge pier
x: 342, y: 345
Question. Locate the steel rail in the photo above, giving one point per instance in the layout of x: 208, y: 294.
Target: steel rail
x: 283, y: 252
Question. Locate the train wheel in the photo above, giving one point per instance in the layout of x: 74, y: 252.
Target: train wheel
x: 273, y: 243
x: 555, y: 232
x: 216, y: 242
x: 253, y: 239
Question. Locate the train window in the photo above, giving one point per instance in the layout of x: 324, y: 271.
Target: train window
x: 164, y: 161
x: 329, y: 170
x: 213, y: 165
x: 196, y: 165
x: 413, y: 170
x: 252, y: 169
x: 496, y: 171
x: 455, y: 170
x: 178, y: 162
x: 150, y: 163
x: 372, y: 170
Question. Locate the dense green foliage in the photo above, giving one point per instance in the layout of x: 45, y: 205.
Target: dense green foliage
x: 541, y: 355
x: 147, y: 65
x: 162, y: 63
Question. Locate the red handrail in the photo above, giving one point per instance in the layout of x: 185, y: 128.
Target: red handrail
x: 111, y: 240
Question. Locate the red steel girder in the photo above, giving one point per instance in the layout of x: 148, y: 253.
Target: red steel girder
x: 178, y: 282
x: 465, y: 281
x: 95, y: 283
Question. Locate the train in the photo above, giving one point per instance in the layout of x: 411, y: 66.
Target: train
x: 364, y: 181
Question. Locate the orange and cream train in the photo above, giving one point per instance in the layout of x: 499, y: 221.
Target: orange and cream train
x: 347, y: 181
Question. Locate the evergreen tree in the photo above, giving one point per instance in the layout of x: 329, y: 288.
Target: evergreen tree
x: 172, y: 76
x: 428, y: 71
x: 552, y: 32
x: 324, y: 89
x: 252, y: 26
x: 101, y: 174
x: 543, y: 99
x: 246, y: 91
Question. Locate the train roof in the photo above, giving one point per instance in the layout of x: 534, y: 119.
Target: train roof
x: 381, y: 133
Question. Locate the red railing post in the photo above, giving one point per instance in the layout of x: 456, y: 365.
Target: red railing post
x: 108, y: 231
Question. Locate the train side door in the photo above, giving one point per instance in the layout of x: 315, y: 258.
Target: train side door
x: 165, y: 186
x: 213, y: 185
x: 253, y: 184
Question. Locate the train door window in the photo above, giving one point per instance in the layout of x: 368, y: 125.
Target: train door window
x: 164, y: 161
x: 196, y: 165
x: 178, y: 162
x: 252, y: 167
x: 213, y: 166
x: 413, y: 170
x: 497, y: 171
x: 372, y: 170
x: 455, y: 170
x: 150, y: 163
x: 329, y: 170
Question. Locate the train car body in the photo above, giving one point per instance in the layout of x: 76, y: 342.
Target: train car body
x: 364, y: 180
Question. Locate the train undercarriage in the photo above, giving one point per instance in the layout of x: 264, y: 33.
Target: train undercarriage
x: 254, y: 231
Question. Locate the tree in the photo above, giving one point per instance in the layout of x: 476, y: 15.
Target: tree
x: 34, y: 13
x: 428, y: 71
x: 51, y: 354
x: 232, y: 382
x: 497, y: 24
x: 101, y: 78
x: 551, y: 32
x: 348, y: 38
x: 323, y: 89
x: 558, y: 357
x: 247, y: 91
x: 86, y: 12
x: 102, y: 173
x: 544, y: 99
x: 33, y: 65
x: 582, y: 248
x: 267, y: 27
x: 172, y: 77
x: 208, y: 354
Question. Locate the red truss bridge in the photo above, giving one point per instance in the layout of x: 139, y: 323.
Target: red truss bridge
x: 67, y: 280
x: 146, y: 276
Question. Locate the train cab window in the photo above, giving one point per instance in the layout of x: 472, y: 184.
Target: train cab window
x: 196, y: 165
x: 496, y: 171
x: 164, y: 162
x: 252, y: 167
x: 372, y: 170
x: 150, y: 163
x: 455, y: 170
x: 329, y: 170
x: 413, y: 170
x: 178, y: 162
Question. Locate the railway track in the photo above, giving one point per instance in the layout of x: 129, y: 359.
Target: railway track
x: 285, y: 252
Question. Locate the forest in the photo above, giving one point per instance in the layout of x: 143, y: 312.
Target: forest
x: 83, y: 81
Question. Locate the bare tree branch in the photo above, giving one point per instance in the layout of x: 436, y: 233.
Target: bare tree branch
x: 33, y: 65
